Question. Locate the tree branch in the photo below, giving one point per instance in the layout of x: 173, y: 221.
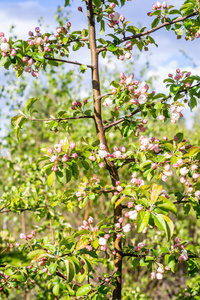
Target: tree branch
x: 147, y: 32
x: 67, y: 61
x: 122, y: 119
x: 62, y: 119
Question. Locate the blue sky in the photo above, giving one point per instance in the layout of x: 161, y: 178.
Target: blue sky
x: 24, y: 14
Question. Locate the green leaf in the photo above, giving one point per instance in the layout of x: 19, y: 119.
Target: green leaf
x: 52, y: 268
x: 193, y: 150
x: 83, y: 68
x: 102, y: 27
x: 77, y: 46
x: 68, y: 174
x: 75, y: 171
x: 97, y: 3
x: 85, y: 164
x: 112, y: 48
x: 70, y: 270
x: 84, y: 290
x: 154, y: 23
x: 169, y: 226
x: 142, y: 220
x: 3, y: 60
x: 20, y: 278
x: 34, y: 253
x: 166, y: 205
x: 155, y: 192
x: 66, y: 3
x: 50, y: 179
x: 56, y: 289
x: 29, y: 103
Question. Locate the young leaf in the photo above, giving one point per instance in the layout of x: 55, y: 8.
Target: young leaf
x: 155, y: 192
x: 142, y: 220
x: 84, y: 290
x: 50, y: 179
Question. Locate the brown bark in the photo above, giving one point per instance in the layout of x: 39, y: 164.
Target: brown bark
x: 102, y: 139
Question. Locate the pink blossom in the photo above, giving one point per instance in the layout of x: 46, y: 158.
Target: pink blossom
x: 177, y: 240
x: 197, y: 193
x: 103, y: 248
x: 50, y: 150
x: 102, y: 241
x: 188, y: 84
x: 65, y: 158
x: 127, y: 55
x: 194, y: 167
x: 121, y: 18
x: 39, y: 41
x: 195, y: 176
x: 164, y: 178
x: 31, y: 43
x: 89, y: 247
x: 112, y: 5
x: 106, y: 236
x: 121, y: 57
x: 138, y: 207
x: 54, y: 168
x: 119, y: 235
x: 180, y: 162
x: 130, y: 204
x: 95, y: 229
x: 153, y: 166
x: 13, y: 52
x: 90, y: 220
x: 153, y: 275
x: 101, y: 165
x: 54, y: 158
x: 117, y: 225
x: 127, y: 228
x: 182, y: 180
x: 74, y: 155
x: 23, y: 236
x: 175, y: 165
x: 35, y: 74
x: 121, y: 220
x: 72, y: 145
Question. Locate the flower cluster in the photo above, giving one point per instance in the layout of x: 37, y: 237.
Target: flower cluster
x: 29, y: 236
x: 58, y: 155
x: 149, y: 144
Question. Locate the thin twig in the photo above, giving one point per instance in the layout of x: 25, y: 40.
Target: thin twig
x: 62, y: 119
x: 67, y: 61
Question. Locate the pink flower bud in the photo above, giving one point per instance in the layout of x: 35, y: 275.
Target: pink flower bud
x: 194, y: 167
x: 13, y: 52
x: 39, y: 41
x: 121, y: 18
x: 112, y: 5
x: 54, y: 168
x: 35, y: 74
x: 153, y: 166
x: 72, y: 145
x: 195, y: 176
x: 89, y: 248
x: 121, y: 57
x: 69, y: 24
x: 164, y: 5
x: 188, y: 84
x: 80, y: 8
x: 164, y: 178
x: 130, y: 204
x: 127, y: 55
x: 37, y: 29
x: 23, y: 236
x: 177, y: 240
x: 90, y: 220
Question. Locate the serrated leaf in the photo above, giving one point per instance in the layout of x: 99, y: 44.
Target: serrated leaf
x: 29, y: 103
x: 142, y: 220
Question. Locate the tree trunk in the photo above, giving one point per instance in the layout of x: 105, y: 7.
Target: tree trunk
x: 102, y: 139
